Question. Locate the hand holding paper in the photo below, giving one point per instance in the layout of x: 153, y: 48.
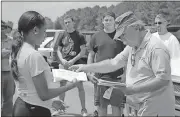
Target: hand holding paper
x: 77, y: 68
x: 92, y: 78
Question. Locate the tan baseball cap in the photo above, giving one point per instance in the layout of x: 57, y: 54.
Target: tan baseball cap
x: 122, y: 21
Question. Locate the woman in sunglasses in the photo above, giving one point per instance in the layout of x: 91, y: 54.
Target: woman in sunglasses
x: 170, y: 42
x: 168, y: 38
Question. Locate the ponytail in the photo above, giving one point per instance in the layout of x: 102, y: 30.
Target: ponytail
x: 17, y: 43
x: 27, y: 22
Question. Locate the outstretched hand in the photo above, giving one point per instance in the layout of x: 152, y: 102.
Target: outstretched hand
x: 76, y: 68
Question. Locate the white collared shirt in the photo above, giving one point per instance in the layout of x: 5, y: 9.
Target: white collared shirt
x: 173, y: 46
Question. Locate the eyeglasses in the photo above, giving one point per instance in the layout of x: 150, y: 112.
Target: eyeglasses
x: 133, y: 59
x: 158, y: 23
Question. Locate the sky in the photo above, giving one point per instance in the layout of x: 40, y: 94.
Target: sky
x: 11, y: 11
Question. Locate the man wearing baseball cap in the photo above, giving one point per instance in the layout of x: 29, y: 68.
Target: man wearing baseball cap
x: 149, y: 87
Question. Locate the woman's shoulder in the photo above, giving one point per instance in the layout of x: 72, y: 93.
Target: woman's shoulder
x: 35, y: 54
x: 30, y: 53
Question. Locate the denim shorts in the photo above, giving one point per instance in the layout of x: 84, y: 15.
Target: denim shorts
x: 117, y: 98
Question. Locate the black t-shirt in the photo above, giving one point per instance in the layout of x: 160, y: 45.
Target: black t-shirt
x: 111, y: 35
x: 105, y: 47
x: 70, y: 44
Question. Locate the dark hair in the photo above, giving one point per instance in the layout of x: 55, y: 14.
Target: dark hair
x: 68, y: 16
x: 27, y: 21
x: 161, y: 15
x: 109, y: 13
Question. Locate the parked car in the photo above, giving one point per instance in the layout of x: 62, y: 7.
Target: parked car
x: 175, y: 29
x: 46, y: 48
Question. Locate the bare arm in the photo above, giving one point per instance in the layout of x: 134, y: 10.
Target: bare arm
x: 91, y: 56
x: 63, y: 61
x: 105, y: 66
x: 81, y: 54
x: 40, y: 71
x: 44, y: 92
x: 109, y: 65
x: 151, y: 86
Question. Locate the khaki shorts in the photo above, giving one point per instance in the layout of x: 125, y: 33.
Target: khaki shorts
x: 117, y: 98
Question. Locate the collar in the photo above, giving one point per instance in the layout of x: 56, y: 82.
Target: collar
x: 145, y: 41
x: 72, y: 31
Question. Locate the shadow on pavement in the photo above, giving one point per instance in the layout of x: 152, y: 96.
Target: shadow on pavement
x: 68, y: 115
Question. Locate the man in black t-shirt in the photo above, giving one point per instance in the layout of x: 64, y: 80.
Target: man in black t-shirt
x: 102, y: 47
x: 70, y: 51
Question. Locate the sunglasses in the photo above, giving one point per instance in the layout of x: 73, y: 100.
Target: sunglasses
x: 158, y: 23
x: 133, y: 60
x: 67, y: 22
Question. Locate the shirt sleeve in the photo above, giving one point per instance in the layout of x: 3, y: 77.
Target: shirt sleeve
x: 161, y: 64
x: 82, y: 39
x: 174, y: 47
x: 91, y: 44
x: 37, y: 64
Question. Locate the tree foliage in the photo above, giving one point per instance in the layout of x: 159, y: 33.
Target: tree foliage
x: 57, y: 24
x: 49, y: 23
x: 90, y: 19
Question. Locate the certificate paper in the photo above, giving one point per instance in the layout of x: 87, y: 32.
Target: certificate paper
x: 62, y: 74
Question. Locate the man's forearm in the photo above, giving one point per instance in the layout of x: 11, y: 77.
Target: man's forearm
x: 81, y: 54
x: 105, y: 66
x: 91, y: 58
x: 76, y: 58
x: 149, y: 86
x: 60, y: 56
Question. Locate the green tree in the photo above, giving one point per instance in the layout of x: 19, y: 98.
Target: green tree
x: 49, y: 23
x: 91, y: 18
x: 57, y: 24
